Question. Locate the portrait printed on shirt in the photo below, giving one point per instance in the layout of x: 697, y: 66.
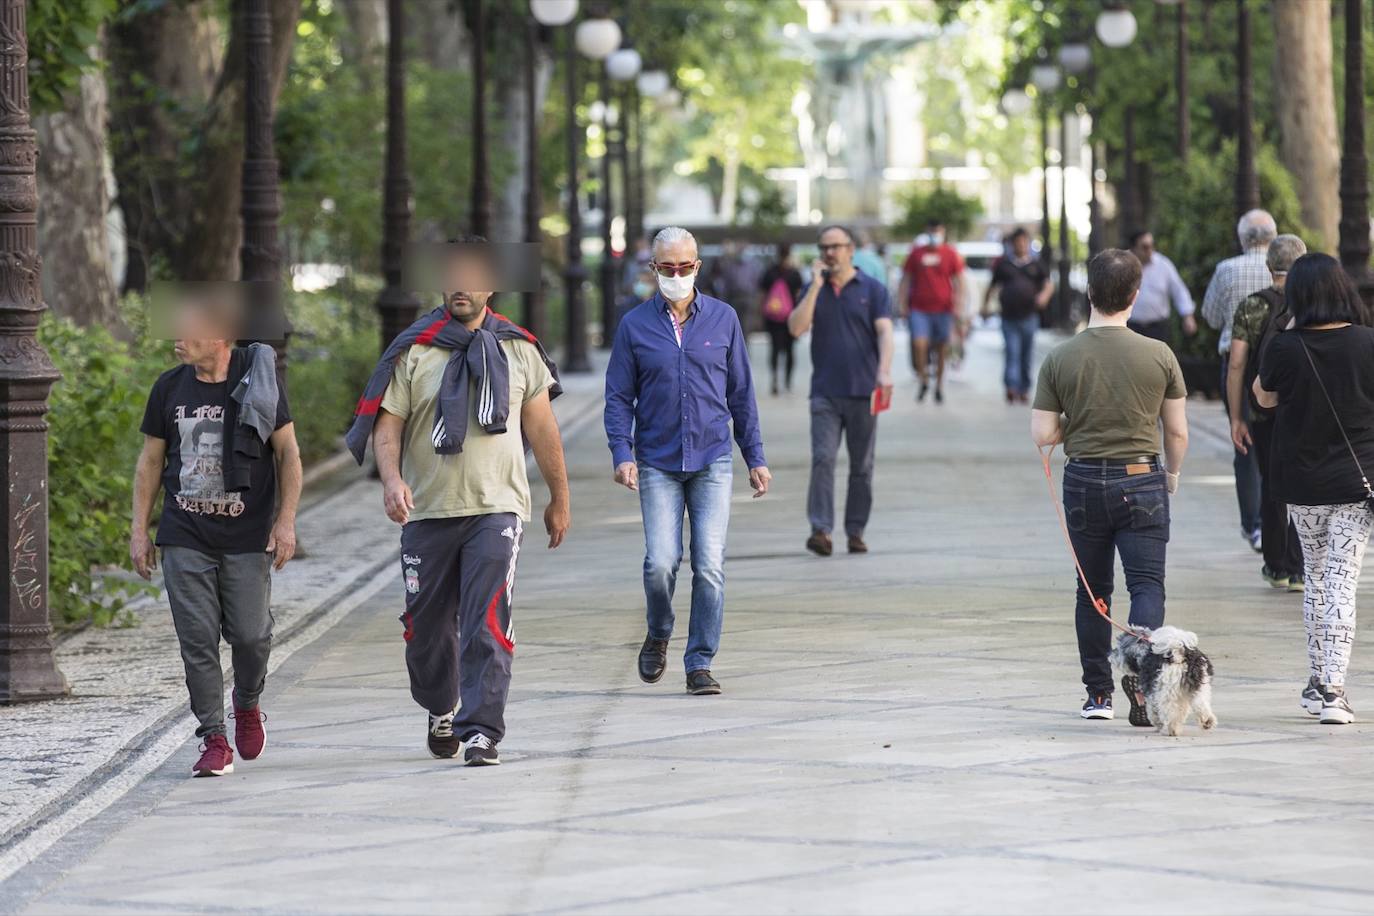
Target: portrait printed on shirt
x: 202, y: 470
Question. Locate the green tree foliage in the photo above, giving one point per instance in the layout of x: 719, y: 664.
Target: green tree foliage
x: 923, y: 204
x: 62, y: 35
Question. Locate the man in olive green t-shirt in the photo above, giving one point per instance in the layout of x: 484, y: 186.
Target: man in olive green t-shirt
x: 1102, y: 396
x: 463, y: 517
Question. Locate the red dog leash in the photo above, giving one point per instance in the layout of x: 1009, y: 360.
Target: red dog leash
x: 1098, y: 603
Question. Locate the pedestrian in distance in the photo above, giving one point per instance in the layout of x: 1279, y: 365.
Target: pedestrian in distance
x: 1233, y: 280
x: 1320, y: 377
x: 1257, y: 321
x: 449, y: 408
x: 1162, y: 292
x: 1023, y: 288
x: 217, y: 433
x: 677, y: 382
x: 932, y: 292
x: 850, y: 317
x: 781, y: 286
x: 1102, y: 396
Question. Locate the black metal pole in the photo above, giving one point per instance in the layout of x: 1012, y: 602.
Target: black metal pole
x: 1130, y: 194
x: 633, y: 165
x: 534, y: 316
x: 1064, y: 254
x: 1046, y: 232
x: 480, y: 218
x: 574, y: 305
x: 1354, y: 225
x: 1184, y: 118
x: 396, y: 305
x: 1247, y: 183
x: 608, y: 271
x: 28, y: 670
x: 1094, y: 206
x: 260, y: 250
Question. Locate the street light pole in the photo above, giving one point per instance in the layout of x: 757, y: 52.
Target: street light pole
x: 634, y: 166
x: 480, y: 218
x: 260, y: 252
x: 608, y: 284
x: 1247, y: 183
x: 1354, y: 225
x: 1046, y: 232
x: 574, y: 305
x: 28, y: 670
x: 534, y: 299
x: 1184, y: 118
x: 1064, y: 254
x: 395, y: 304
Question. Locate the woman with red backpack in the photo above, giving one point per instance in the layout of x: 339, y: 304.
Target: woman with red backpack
x: 782, y: 286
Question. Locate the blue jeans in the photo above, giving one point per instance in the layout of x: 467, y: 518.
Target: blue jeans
x: 705, y: 498
x: 1246, y: 466
x: 1110, y: 511
x: 1019, y: 336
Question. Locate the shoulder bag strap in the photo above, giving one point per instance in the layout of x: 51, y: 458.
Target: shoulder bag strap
x: 1369, y: 491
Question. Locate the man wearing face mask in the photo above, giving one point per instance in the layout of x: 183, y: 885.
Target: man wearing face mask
x: 678, y: 379
x: 932, y: 291
x: 851, y: 355
x: 452, y: 398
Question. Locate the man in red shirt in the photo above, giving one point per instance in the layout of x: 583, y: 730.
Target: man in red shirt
x: 932, y: 290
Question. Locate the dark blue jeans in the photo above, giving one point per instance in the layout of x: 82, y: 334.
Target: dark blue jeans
x: 1110, y: 511
x: 1019, y: 337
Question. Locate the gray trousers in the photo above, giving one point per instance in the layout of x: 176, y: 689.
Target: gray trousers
x: 214, y: 594
x: 831, y: 417
x: 459, y: 573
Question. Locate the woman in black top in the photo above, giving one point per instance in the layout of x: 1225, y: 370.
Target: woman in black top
x: 1316, y: 472
x: 782, y: 288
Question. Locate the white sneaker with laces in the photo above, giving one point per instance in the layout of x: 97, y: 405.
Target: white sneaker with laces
x: 1312, y: 697
x: 1335, y: 709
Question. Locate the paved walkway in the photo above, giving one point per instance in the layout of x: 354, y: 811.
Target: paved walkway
x: 898, y: 731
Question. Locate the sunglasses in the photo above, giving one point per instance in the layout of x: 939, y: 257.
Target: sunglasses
x: 676, y: 270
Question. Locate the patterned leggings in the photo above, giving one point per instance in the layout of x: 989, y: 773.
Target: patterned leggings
x: 1333, y: 544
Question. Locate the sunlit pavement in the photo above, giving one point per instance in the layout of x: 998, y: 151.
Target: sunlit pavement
x: 899, y: 732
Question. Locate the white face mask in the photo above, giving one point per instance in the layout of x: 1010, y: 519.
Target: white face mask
x: 675, y: 289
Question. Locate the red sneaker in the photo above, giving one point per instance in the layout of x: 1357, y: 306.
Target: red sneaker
x: 249, y: 735
x: 215, y: 758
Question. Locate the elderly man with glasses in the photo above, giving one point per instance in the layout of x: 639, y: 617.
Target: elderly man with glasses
x: 678, y: 380
x: 851, y: 358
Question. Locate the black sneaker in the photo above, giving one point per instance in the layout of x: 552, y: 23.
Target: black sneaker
x: 443, y: 744
x: 939, y: 395
x: 1274, y: 578
x: 1312, y: 697
x: 653, y: 660
x: 480, y: 751
x: 1098, y: 706
x: 921, y: 395
x: 1139, y: 717
x: 1335, y: 709
x: 700, y: 683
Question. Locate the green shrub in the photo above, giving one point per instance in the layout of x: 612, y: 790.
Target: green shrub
x: 922, y: 204
x: 1195, y: 218
x: 93, y: 440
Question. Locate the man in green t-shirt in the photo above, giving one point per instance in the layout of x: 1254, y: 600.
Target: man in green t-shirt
x: 1102, y: 396
x: 463, y: 512
x: 1257, y: 320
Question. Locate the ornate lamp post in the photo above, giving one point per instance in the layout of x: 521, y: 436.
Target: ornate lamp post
x: 1045, y: 77
x: 1064, y: 253
x: 621, y: 67
x: 260, y: 253
x: 480, y: 217
x: 598, y: 39
x: 27, y: 668
x: 1354, y: 244
x: 1247, y: 182
x: 397, y: 306
x: 651, y: 84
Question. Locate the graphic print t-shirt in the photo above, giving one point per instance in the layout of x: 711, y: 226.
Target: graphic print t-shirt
x: 196, y: 511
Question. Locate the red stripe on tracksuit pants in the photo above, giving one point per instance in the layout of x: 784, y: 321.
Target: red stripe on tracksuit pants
x: 458, y: 578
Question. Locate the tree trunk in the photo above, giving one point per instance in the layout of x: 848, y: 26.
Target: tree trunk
x: 1306, y: 104
x: 73, y: 236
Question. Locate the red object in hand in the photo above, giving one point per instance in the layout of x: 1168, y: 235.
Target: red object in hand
x: 882, y: 400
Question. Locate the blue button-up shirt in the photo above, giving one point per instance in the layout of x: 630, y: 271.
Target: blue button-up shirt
x: 670, y: 405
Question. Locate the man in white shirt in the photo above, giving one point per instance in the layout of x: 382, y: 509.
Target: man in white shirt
x: 1162, y: 291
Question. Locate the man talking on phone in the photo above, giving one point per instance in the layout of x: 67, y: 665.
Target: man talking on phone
x: 851, y: 356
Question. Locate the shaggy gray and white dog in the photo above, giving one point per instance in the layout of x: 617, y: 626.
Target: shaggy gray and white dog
x: 1171, y: 671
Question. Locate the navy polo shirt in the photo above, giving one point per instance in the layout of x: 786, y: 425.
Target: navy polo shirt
x: 844, y: 342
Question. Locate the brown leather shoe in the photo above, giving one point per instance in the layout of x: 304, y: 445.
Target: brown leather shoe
x: 857, y: 545
x: 819, y: 544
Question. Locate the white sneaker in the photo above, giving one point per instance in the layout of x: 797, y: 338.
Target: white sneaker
x: 1335, y: 709
x: 1312, y: 697
x: 1256, y: 540
x: 480, y: 751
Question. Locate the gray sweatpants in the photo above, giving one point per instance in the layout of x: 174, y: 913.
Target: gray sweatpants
x: 214, y: 594
x: 459, y: 574
x: 829, y: 418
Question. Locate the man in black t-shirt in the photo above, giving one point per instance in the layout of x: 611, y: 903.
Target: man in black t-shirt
x: 1023, y: 288
x: 219, y: 540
